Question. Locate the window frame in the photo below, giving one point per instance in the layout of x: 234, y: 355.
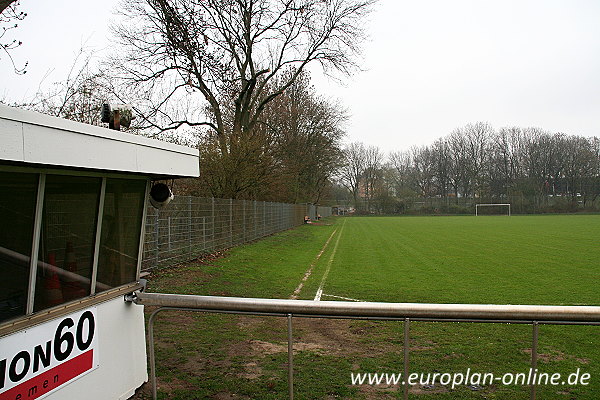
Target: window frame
x: 31, y: 317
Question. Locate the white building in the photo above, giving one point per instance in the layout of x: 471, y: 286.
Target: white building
x: 72, y: 210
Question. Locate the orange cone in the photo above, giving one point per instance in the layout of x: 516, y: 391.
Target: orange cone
x: 72, y: 288
x: 54, y: 295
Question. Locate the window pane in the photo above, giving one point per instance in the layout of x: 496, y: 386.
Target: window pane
x: 67, y: 239
x: 18, y: 193
x: 121, y: 225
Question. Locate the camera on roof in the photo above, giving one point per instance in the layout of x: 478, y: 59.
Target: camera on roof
x: 117, y: 115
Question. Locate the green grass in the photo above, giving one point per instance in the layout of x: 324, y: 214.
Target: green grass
x: 272, y: 267
x: 502, y: 260
x: 516, y: 260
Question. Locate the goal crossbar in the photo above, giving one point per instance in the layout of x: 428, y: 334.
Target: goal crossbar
x: 490, y: 205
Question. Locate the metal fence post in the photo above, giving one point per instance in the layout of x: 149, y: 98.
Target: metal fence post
x: 290, y: 358
x: 212, y: 213
x: 243, y: 221
x: 230, y: 222
x: 190, y: 230
x: 534, y: 351
x: 204, y: 233
x: 406, y: 350
x: 169, y: 233
x: 151, y: 354
x: 156, y: 244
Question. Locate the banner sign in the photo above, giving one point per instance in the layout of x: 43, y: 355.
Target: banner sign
x: 37, y: 361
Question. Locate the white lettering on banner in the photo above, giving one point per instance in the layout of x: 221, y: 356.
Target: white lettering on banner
x: 38, y: 360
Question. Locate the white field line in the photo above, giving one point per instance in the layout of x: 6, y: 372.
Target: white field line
x: 320, y: 290
x: 294, y: 295
x: 342, y: 297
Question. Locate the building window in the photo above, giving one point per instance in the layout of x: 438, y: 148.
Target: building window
x: 66, y: 251
x: 18, y: 194
x: 121, y: 226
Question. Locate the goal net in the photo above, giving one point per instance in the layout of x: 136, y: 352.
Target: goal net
x: 492, y: 209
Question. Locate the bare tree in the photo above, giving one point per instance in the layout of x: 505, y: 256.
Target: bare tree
x: 579, y: 164
x: 476, y: 137
x: 307, y: 130
x: 231, y: 55
x: 542, y: 162
x: 353, y: 169
x: 400, y: 164
x: 78, y: 97
x: 504, y: 167
x: 4, y: 4
x: 593, y: 182
x: 458, y: 175
x: 535, y: 170
x: 468, y: 148
x: 442, y: 167
x: 423, y: 170
x: 9, y: 17
x: 373, y: 174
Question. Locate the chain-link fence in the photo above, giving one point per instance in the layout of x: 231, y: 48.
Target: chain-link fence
x: 190, y: 226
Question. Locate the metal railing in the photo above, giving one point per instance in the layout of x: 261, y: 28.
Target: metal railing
x: 406, y: 312
x: 190, y: 226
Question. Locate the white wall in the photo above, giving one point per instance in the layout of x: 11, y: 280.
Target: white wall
x: 122, y: 353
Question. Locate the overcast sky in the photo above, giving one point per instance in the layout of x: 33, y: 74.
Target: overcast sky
x: 429, y: 65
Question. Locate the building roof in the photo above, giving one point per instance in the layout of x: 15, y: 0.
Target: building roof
x: 28, y: 137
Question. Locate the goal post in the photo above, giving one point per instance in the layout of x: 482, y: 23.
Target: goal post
x: 499, y: 205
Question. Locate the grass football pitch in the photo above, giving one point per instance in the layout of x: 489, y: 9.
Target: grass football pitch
x: 491, y: 260
x: 494, y: 259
